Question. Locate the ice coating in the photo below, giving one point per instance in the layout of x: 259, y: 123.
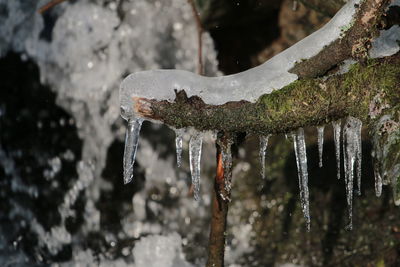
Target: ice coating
x: 336, y: 136
x: 351, y: 155
x: 358, y: 126
x: 386, y: 44
x: 263, y: 150
x: 320, y: 130
x: 178, y: 143
x: 131, y: 144
x: 301, y: 161
x: 378, y: 183
x: 263, y: 79
x: 195, y: 145
x: 227, y: 165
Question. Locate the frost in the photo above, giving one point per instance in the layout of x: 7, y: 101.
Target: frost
x: 386, y: 44
x: 320, y: 130
x: 131, y: 145
x: 301, y: 161
x: 336, y: 136
x: 195, y: 145
x: 270, y: 76
x: 263, y: 150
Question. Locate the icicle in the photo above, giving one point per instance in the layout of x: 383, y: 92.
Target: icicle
x: 378, y: 183
x: 336, y: 136
x: 195, y: 145
x: 227, y: 165
x: 131, y: 144
x: 301, y: 161
x: 320, y: 130
x: 263, y: 149
x: 178, y: 143
x: 358, y: 126
x: 352, y: 156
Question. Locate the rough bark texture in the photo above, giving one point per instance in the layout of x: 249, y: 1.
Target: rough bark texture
x: 220, y: 203
x: 326, y: 7
x: 354, y: 43
x: 303, y: 103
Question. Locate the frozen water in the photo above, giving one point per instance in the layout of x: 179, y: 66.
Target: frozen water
x: 320, y: 130
x: 160, y: 251
x: 263, y: 79
x: 227, y: 165
x: 301, y: 161
x: 358, y: 127
x: 131, y: 145
x: 178, y: 143
x: 336, y: 136
x: 195, y: 145
x: 387, y: 43
x: 263, y: 150
x: 378, y: 183
x: 352, y: 157
x: 90, y: 48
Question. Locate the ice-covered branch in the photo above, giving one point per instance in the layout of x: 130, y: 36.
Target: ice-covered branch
x: 304, y: 102
x: 346, y: 35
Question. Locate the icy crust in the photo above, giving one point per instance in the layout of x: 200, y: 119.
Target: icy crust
x: 248, y: 85
x: 387, y: 43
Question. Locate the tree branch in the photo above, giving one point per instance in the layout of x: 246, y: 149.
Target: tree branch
x: 199, y: 27
x: 310, y: 101
x: 354, y: 42
x: 326, y: 7
x: 49, y: 5
x: 220, y: 204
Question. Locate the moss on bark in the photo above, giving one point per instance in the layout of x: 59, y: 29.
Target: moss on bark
x: 304, y: 102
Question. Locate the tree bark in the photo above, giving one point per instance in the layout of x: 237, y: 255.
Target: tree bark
x: 220, y: 204
x: 305, y: 102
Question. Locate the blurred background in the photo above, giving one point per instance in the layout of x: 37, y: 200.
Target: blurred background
x: 62, y: 198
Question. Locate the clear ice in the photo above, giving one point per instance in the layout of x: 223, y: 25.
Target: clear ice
x: 178, y: 143
x: 301, y: 161
x: 227, y: 165
x: 358, y: 127
x: 378, y: 183
x: 352, y: 158
x: 336, y: 136
x: 320, y: 130
x: 131, y: 144
x: 263, y: 150
x: 263, y: 79
x: 195, y: 145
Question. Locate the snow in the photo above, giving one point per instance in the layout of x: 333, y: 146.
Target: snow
x: 263, y: 79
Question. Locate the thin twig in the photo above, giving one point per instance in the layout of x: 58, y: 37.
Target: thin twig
x: 49, y: 5
x: 199, y: 27
x: 220, y: 204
